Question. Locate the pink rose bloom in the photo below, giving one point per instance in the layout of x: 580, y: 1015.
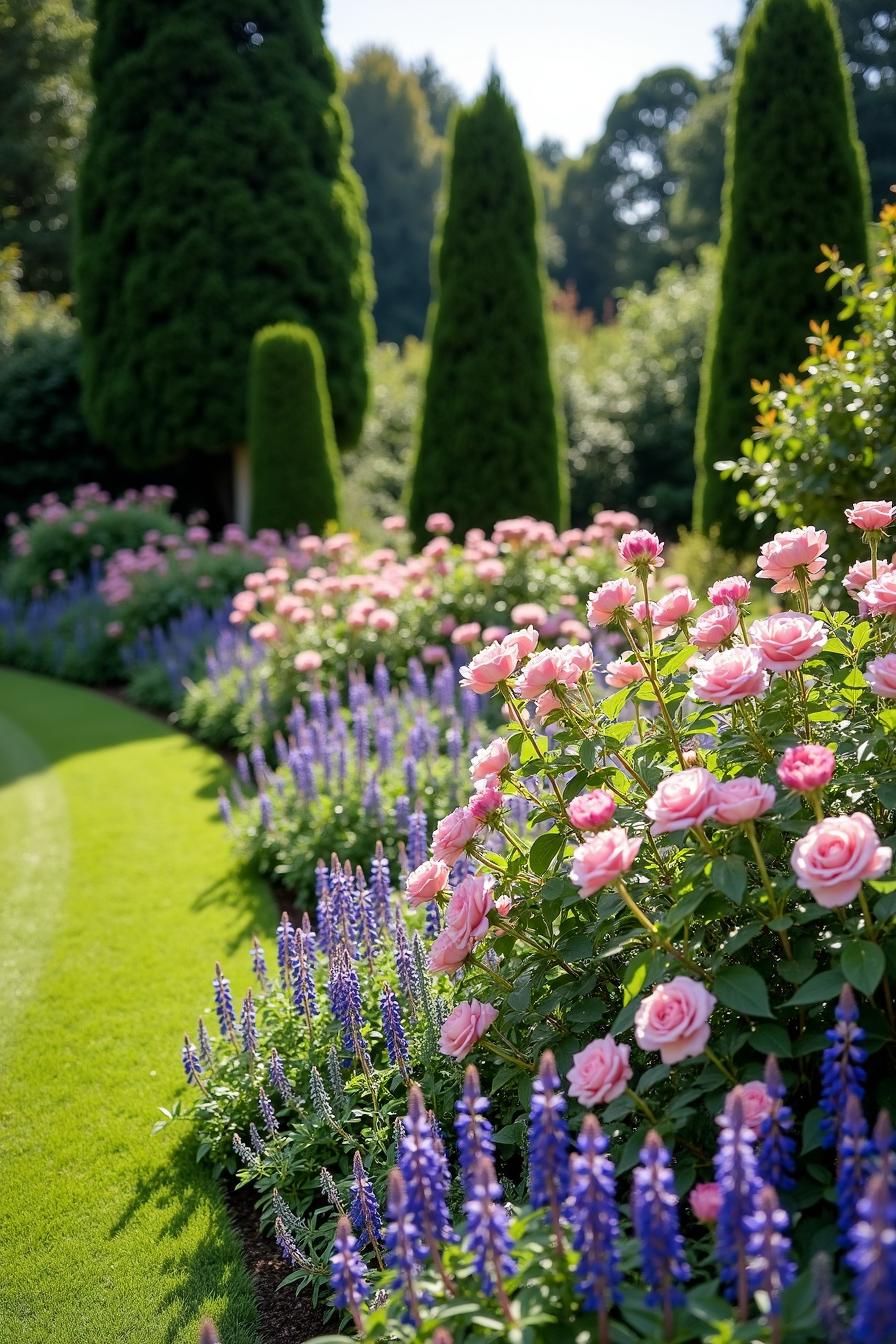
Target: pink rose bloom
x: 487, y: 799
x: 440, y: 524
x: 622, y: 672
x: 603, y: 858
x: 464, y: 1026
x: 426, y: 882
x: 713, y: 627
x: 245, y: 602
x: 490, y: 760
x: 447, y: 954
x: 528, y: 613
x: 600, y: 1072
x: 800, y: 550
x: 733, y: 591
x: 806, y: 767
x: 541, y: 673
x: 432, y: 654
x: 878, y: 598
x: 836, y: 856
x: 730, y: 675
x: 382, y: 619
x: 787, y: 640
x: 609, y: 600
x: 466, y: 634
x: 467, y: 911
x: 682, y: 800
x: 706, y: 1201
x: 493, y: 634
x: 522, y: 642
x: 309, y: 660
x: 756, y: 1103
x: 859, y: 575
x: 395, y: 522
x: 880, y: 675
x: 546, y: 703
x: 592, y: 811
x: 674, y: 1019
x: 265, y: 632
x: 675, y: 606
x: 742, y: 799
x: 492, y: 664
x: 453, y: 834
x: 641, y: 549
x: 871, y: 515
x: 489, y: 571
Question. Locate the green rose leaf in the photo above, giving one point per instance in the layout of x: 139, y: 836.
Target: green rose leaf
x: 863, y: 964
x: 544, y: 851
x: 729, y: 876
x: 743, y: 989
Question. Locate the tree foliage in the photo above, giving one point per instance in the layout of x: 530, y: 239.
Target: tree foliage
x: 490, y: 445
x: 795, y: 178
x: 216, y: 197
x: 696, y: 155
x: 869, y: 39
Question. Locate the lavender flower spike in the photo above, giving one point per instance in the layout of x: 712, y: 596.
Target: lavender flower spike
x: 393, y: 1031
x: 348, y: 1277
x: 473, y: 1130
x: 488, y: 1234
x: 776, y: 1148
x: 735, y: 1164
x: 842, y: 1066
x: 271, y: 1122
x: 405, y: 1251
x: 872, y: 1258
x: 854, y: 1150
x: 421, y: 1163
x: 224, y: 1003
x: 364, y: 1210
x: 548, y: 1143
x: 594, y: 1217
x: 655, y: 1219
x: 770, y: 1266
x: 191, y: 1062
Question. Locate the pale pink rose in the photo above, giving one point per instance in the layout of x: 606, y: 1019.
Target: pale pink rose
x: 467, y: 912
x: 880, y: 675
x: 490, y: 760
x: 674, y: 1019
x: 440, y: 524
x: 730, y: 675
x: 553, y: 667
x: 487, y: 799
x: 756, y: 1103
x: 624, y: 671
x: 600, y: 1072
x: 447, y: 954
x: 489, y: 571
x: 437, y: 549
x: 528, y: 613
x: 641, y: 549
x: 546, y: 703
x: 453, y: 834
x: 733, y: 591
x: 573, y: 629
x: 836, y: 856
x: 714, y: 626
x: 878, y: 598
x: 682, y: 800
x: 706, y: 1201
x: 522, y: 642
x: 466, y: 634
x: 742, y: 799
x: 492, y: 664
x: 610, y: 600
x: 432, y: 654
x: 592, y: 811
x: 871, y: 515
x: 427, y: 881
x: 787, y: 640
x: 675, y: 606
x: 859, y: 575
x: 382, y: 619
x: 602, y: 859
x: 788, y: 554
x: 493, y: 634
x: 245, y: 602
x: 265, y: 632
x: 309, y: 660
x: 464, y: 1026
x: 395, y: 522
x: 806, y: 767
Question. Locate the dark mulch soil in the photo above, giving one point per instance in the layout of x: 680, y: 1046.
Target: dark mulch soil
x: 283, y: 1318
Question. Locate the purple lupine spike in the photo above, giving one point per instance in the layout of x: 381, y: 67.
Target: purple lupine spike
x: 405, y: 1249
x: 393, y: 1031
x: 384, y: 743
x: 302, y: 971
x: 368, y: 935
x: 271, y: 1122
x: 364, y: 1210
x: 842, y: 1066
x: 236, y: 793
x: 418, y: 838
x: 443, y: 683
x: 361, y: 726
x: 488, y: 1232
x: 296, y: 721
x: 463, y: 868
x: 205, y: 1042
x: 404, y: 964
x: 594, y: 1219
x: 655, y: 1220
x: 433, y: 923
x: 225, y: 811
x: 347, y: 1008
x: 854, y: 1150
x: 402, y: 814
x: 473, y: 1130
x: 872, y: 1259
x: 372, y: 799
x: 770, y: 1267
x: 256, y: 1140
x: 417, y: 683
x: 381, y: 678
x: 266, y: 811
x: 469, y: 707
x: 323, y: 906
x: 244, y: 1152
x: 348, y: 1275
x: 310, y: 936
x: 828, y: 1306
x: 381, y: 887
x: 342, y: 894
x: 281, y: 750
x: 548, y: 1143
x: 248, y: 1029
x: 191, y: 1062
x: 454, y: 744
x: 410, y: 777
x: 278, y: 1078
x: 735, y: 1166
x: 284, y: 948
x: 288, y: 1248
x: 224, y: 1003
x: 421, y: 1164
x: 775, y: 1158
x: 257, y: 759
x: 259, y: 964
x: 885, y: 1149
x: 242, y: 769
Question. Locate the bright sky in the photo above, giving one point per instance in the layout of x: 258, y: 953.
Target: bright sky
x: 562, y: 61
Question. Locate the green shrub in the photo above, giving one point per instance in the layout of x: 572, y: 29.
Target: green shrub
x: 292, y: 444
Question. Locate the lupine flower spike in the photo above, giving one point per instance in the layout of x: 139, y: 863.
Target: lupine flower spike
x: 828, y: 1306
x: 393, y: 1031
x: 421, y: 1166
x: 842, y: 1066
x: 331, y: 1190
x: 854, y: 1149
x: 224, y: 1003
x: 259, y: 964
x: 735, y: 1164
x: 655, y: 1219
x: 248, y: 1031
x: 775, y: 1158
x: 473, y: 1130
x: 488, y: 1235
x: 278, y: 1078
x: 548, y: 1144
x: 192, y: 1063
x: 770, y: 1267
x: 872, y: 1258
x: 364, y: 1210
x: 594, y: 1219
x: 885, y: 1149
x: 405, y: 1251
x: 349, y: 1275
x: 271, y: 1123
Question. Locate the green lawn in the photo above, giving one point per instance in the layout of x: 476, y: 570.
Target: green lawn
x: 118, y: 893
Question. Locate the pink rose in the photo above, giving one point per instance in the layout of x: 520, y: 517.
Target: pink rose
x: 493, y: 633
x: 563, y: 667
x: 871, y: 515
x: 641, y: 549
x: 382, y: 619
x: 395, y: 522
x: 713, y: 627
x: 440, y: 524
x: 836, y: 856
x: 466, y: 634
x: 733, y: 591
x: 756, y: 1103
x: 245, y: 602
x: 622, y: 672
x: 743, y: 799
x: 806, y: 767
x: 467, y: 912
x: 490, y: 760
x: 522, y: 642
x: 592, y: 811
x: 787, y: 640
x: 464, y: 1026
x: 603, y: 858
x: 528, y: 613
x: 265, y: 632
x: 674, y: 1019
x: 453, y: 834
x: 791, y: 554
x: 859, y: 575
x: 730, y: 675
x: 610, y: 600
x: 880, y: 675
x: 448, y: 953
x: 600, y: 1072
x: 706, y: 1201
x: 675, y: 606
x: 492, y: 664
x: 427, y: 881
x: 309, y: 660
x: 878, y: 598
x: 546, y: 703
x: 487, y: 800
x: 682, y: 800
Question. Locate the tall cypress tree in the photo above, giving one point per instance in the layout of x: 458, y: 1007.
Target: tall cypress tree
x: 795, y: 178
x: 490, y: 443
x: 216, y: 197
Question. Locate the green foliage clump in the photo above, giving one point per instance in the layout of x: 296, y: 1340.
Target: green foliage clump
x: 490, y: 444
x: 795, y: 178
x: 216, y: 197
x: 292, y: 444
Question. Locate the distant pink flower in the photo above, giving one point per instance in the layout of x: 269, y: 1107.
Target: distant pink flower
x: 714, y: 626
x: 114, y: 630
x: 433, y: 654
x: 466, y: 1024
x: 265, y: 632
x: 486, y: 669
x: 591, y: 811
x: 448, y: 953
x: 466, y: 914
x: 681, y: 800
x: 490, y: 760
x: 600, y: 1072
x: 787, y: 640
x: 490, y: 571
x: 528, y: 613
x: 602, y: 859
x: 730, y: 675
x: 309, y: 660
x: 675, y: 606
x: 878, y: 598
x: 706, y: 1201
x: 493, y: 634
x: 453, y: 834
x: 427, y: 881
x: 789, y: 554
x: 674, y: 1019
x: 806, y: 767
x: 522, y: 642
x: 871, y: 515
x: 742, y: 799
x: 836, y: 856
x: 622, y: 672
x: 395, y: 522
x: 440, y: 524
x: 245, y: 602
x: 880, y: 675
x: 466, y: 634
x: 641, y: 549
x: 733, y: 591
x: 757, y: 1105
x: 610, y: 600
x: 382, y: 619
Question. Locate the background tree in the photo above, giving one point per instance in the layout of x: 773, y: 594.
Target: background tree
x: 869, y: 38
x: 441, y: 95
x: 216, y: 197
x: 795, y: 179
x: 490, y: 445
x: 398, y: 158
x: 696, y: 155
x: 44, y: 101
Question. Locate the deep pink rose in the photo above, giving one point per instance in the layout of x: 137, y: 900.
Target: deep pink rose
x: 453, y: 834
x: 787, y: 639
x: 609, y: 600
x: 427, y: 881
x: 871, y: 515
x: 490, y: 760
x: 641, y: 549
x: 492, y: 664
x: 600, y: 1072
x: 743, y: 799
x: 806, y: 767
x: 733, y: 591
x: 714, y: 626
x: 880, y: 675
x: 464, y: 1026
x: 603, y: 858
x: 706, y: 1200
x: 788, y: 554
x: 622, y: 672
x: 674, y: 1019
x: 836, y: 856
x: 682, y: 800
x: 448, y: 953
x: 593, y: 810
x: 467, y: 912
x: 730, y: 675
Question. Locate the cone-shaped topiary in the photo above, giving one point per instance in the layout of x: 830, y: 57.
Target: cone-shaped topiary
x: 490, y: 442
x: 216, y: 196
x: 795, y: 178
x: 293, y: 457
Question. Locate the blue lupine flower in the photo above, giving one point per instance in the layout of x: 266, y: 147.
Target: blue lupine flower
x: 473, y: 1130
x: 381, y: 678
x: 278, y: 1078
x: 403, y: 806
x: 348, y: 1276
x: 364, y: 1210
x: 244, y: 1152
x: 284, y: 947
x: 854, y: 1150
x: 255, y: 1139
x: 301, y: 968
x: 248, y: 1030
x: 405, y: 1251
x: 842, y: 1066
x: 548, y: 1141
x: 422, y: 1165
x: 372, y: 799
x: 347, y: 1007
x: 191, y: 1062
x: 366, y: 916
x: 393, y: 1031
x: 242, y: 768
x: 271, y: 1122
x: 324, y: 907
x: 488, y: 1229
x: 343, y: 900
x: 418, y: 838
x: 266, y: 811
x: 770, y: 1267
x: 310, y: 936
x: 735, y: 1165
x: 594, y: 1218
x: 872, y: 1258
x: 775, y: 1158
x: 433, y: 924
x: 259, y: 964
x: 655, y: 1220
x: 404, y: 963
x: 281, y: 750
x: 224, y: 1002
x: 288, y: 1248
x: 225, y: 810
x: 381, y: 886
x: 885, y: 1149
x: 205, y: 1043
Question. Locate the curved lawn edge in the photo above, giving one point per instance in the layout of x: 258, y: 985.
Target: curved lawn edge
x: 122, y: 892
